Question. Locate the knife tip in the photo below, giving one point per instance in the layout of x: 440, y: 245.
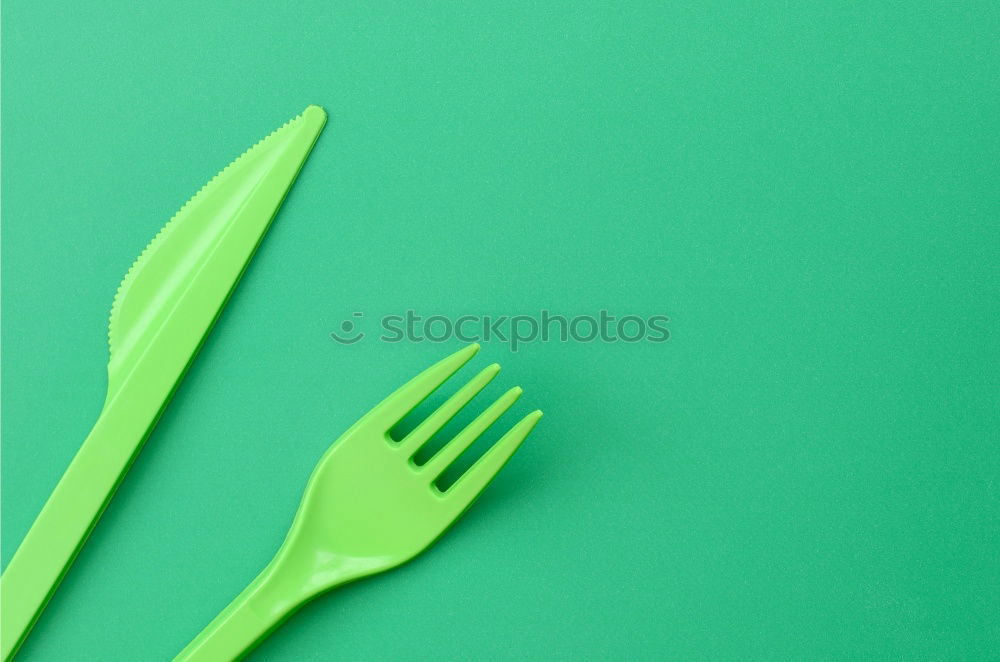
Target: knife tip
x: 315, y: 114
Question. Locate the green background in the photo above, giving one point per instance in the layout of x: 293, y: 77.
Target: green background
x: 807, y: 469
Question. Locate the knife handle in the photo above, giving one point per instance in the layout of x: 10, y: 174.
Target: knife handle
x: 69, y: 515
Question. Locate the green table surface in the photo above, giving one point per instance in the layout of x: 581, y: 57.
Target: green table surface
x: 807, y: 469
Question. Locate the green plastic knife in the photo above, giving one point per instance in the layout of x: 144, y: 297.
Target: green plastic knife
x: 164, y: 309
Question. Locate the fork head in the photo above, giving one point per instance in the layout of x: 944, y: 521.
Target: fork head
x: 369, y: 506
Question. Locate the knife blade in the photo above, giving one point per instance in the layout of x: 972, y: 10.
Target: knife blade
x: 163, y: 311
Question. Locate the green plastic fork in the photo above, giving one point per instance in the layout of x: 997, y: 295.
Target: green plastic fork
x: 368, y: 506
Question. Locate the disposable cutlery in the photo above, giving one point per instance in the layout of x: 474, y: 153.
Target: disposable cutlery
x: 165, y: 307
x: 369, y: 506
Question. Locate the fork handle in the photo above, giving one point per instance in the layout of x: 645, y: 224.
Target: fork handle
x: 271, y: 598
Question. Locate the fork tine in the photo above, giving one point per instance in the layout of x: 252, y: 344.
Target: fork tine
x: 389, y: 412
x: 472, y: 431
x: 437, y: 420
x: 474, y: 481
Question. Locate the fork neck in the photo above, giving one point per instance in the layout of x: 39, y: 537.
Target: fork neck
x: 290, y: 580
x: 276, y: 593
